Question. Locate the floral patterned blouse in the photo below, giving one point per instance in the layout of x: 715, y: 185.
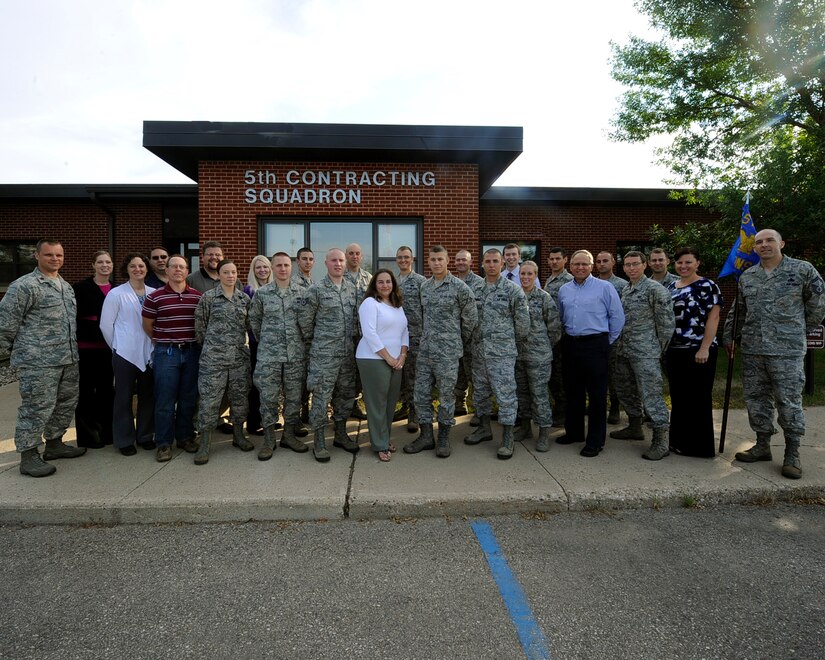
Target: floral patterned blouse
x: 692, y: 305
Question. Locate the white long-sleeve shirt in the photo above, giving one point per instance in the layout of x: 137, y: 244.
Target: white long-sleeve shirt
x: 382, y: 326
x: 122, y: 326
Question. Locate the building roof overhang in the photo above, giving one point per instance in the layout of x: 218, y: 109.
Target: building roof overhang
x: 183, y: 144
x: 112, y: 192
x: 541, y: 196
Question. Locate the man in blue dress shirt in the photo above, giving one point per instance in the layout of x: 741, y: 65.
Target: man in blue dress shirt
x: 592, y: 315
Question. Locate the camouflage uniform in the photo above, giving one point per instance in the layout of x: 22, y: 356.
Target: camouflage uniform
x: 281, y: 366
x: 449, y: 319
x: 465, y: 366
x: 301, y: 280
x: 410, y: 288
x: 221, y: 325
x: 328, y: 319
x: 503, y: 319
x: 38, y: 323
x: 620, y: 284
x: 776, y: 310
x: 669, y: 278
x: 648, y: 328
x: 535, y: 358
x: 552, y: 286
x: 361, y: 280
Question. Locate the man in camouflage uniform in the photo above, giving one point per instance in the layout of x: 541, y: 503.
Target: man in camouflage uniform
x: 221, y: 326
x: 535, y: 359
x: 503, y: 319
x: 780, y: 300
x: 449, y: 319
x: 281, y: 366
x: 604, y: 270
x: 305, y: 261
x: 658, y: 267
x: 409, y: 284
x: 327, y: 318
x: 648, y: 328
x: 557, y: 262
x: 464, y: 272
x: 38, y: 322
x: 361, y: 279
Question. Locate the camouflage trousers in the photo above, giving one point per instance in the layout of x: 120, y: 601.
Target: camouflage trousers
x: 639, y: 386
x: 441, y: 373
x: 767, y: 380
x: 495, y: 376
x: 465, y: 377
x: 48, y: 399
x: 532, y: 379
x: 276, y: 378
x: 215, y: 381
x: 331, y: 379
x: 408, y: 380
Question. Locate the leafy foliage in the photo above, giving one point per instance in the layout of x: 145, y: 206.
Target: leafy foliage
x: 739, y: 86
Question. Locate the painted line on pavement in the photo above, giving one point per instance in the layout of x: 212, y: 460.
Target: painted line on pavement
x: 529, y: 634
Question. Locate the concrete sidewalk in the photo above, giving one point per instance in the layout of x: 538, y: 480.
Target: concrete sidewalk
x: 104, y: 487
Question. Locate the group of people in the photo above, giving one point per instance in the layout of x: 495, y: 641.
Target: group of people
x: 196, y: 346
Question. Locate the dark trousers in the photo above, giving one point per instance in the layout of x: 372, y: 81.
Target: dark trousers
x: 585, y: 365
x: 93, y: 416
x: 253, y: 417
x: 127, y: 428
x: 691, y: 401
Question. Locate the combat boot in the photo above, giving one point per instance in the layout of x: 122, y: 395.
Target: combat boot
x: 524, y: 430
x: 289, y: 440
x: 761, y: 451
x: 319, y: 447
x: 55, y: 448
x: 202, y: 455
x: 422, y: 442
x: 543, y: 443
x: 460, y: 407
x: 475, y: 420
x: 342, y: 440
x: 32, y: 464
x: 268, y: 447
x: 401, y: 413
x: 614, y: 415
x: 443, y: 449
x: 791, y: 466
x: 239, y: 440
x: 505, y: 451
x: 659, y: 447
x: 412, y: 424
x: 633, y: 431
x: 482, y: 433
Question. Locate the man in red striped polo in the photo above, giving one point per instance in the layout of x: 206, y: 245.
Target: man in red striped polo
x: 169, y: 319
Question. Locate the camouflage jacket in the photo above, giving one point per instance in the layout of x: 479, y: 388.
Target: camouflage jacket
x: 503, y: 319
x: 221, y: 324
x: 361, y: 280
x: 273, y: 319
x: 410, y: 287
x: 777, y: 309
x: 649, y: 320
x: 618, y: 282
x: 545, y: 328
x: 669, y: 278
x: 555, y: 282
x: 301, y: 280
x: 38, y: 321
x: 328, y: 318
x: 450, y: 317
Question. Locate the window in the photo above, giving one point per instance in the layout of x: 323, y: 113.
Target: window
x: 379, y: 239
x: 16, y: 259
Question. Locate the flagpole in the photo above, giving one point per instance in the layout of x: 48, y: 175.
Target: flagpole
x: 729, y: 379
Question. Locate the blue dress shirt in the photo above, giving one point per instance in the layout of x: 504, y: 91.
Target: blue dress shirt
x: 590, y: 308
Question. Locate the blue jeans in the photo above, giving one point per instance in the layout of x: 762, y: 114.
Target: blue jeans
x: 176, y: 392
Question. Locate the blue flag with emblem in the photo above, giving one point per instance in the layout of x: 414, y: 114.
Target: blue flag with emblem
x: 741, y: 254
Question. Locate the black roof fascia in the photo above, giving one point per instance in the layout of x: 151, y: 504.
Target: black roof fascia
x: 183, y: 144
x: 530, y: 196
x: 59, y: 191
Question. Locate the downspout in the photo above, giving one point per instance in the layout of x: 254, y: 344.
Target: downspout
x: 111, y: 221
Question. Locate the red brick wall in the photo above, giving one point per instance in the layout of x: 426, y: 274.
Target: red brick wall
x: 83, y: 229
x: 449, y: 209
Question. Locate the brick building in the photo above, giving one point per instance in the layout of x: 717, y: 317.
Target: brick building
x: 262, y: 188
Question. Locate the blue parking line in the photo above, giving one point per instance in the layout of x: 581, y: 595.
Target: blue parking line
x: 529, y: 634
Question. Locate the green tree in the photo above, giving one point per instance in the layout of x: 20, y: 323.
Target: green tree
x: 739, y: 86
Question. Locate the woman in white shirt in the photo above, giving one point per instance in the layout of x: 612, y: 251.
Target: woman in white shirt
x: 381, y: 355
x: 122, y: 328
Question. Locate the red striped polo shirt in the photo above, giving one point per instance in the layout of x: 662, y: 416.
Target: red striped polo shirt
x: 173, y: 314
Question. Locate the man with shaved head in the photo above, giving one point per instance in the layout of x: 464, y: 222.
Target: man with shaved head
x: 361, y: 279
x: 780, y: 300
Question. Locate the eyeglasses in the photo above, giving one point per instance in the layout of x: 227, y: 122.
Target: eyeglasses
x: 158, y: 257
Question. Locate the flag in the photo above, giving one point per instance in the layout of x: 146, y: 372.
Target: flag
x: 741, y: 254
